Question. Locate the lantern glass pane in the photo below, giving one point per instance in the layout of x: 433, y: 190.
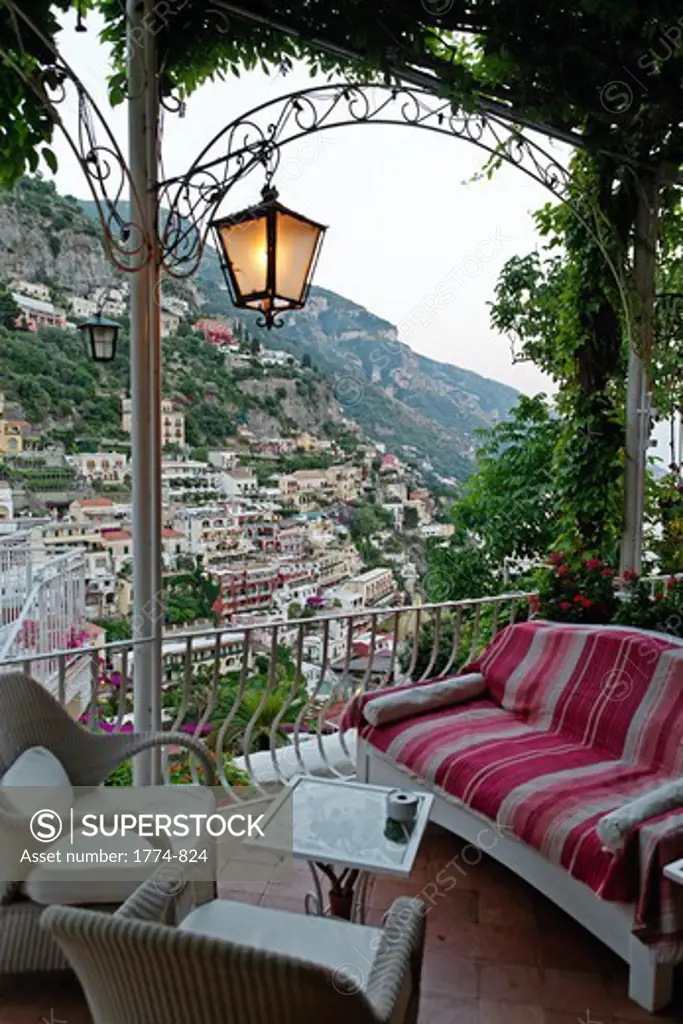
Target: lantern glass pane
x: 102, y: 342
x: 246, y: 248
x: 295, y: 246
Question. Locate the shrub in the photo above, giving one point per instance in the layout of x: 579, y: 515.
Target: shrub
x: 576, y: 589
x: 661, y: 611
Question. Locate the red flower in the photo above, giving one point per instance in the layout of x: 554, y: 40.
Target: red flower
x: 584, y: 601
x: 556, y: 557
x: 592, y: 563
x: 608, y: 573
x: 563, y: 570
x: 564, y: 605
x: 658, y: 597
x: 629, y: 574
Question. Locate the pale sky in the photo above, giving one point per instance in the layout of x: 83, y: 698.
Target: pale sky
x: 400, y: 217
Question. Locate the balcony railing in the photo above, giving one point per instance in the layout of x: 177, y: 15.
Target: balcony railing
x: 250, y: 693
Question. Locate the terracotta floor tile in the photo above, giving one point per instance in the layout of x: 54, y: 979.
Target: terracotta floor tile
x: 625, y: 1009
x: 445, y: 972
x: 505, y: 944
x: 447, y: 914
x: 510, y: 983
x: 297, y: 890
x: 237, y: 884
x: 238, y: 895
x: 560, y: 1017
x: 505, y: 1013
x: 575, y: 991
x: 385, y: 890
x: 498, y: 905
x: 28, y: 998
x: 278, y: 900
x: 570, y: 947
x: 440, y: 1009
x: 290, y: 872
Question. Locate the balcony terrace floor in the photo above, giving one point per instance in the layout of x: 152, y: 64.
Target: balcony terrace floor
x: 496, y: 951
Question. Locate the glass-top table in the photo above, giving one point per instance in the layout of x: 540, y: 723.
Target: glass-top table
x: 340, y: 828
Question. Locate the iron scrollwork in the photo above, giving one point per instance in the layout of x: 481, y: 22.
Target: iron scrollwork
x: 94, y: 146
x: 255, y: 140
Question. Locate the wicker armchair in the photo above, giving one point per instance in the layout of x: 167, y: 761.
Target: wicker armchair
x: 31, y: 717
x: 137, y: 969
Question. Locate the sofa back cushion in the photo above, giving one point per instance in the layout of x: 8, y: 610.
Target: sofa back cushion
x: 610, y: 687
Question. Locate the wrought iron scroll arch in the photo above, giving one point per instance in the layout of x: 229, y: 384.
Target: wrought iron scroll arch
x: 188, y: 203
x: 93, y: 144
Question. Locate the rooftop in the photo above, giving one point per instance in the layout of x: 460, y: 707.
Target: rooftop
x: 116, y: 535
x: 34, y: 304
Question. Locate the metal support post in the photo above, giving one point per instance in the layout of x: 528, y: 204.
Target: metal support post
x: 141, y: 77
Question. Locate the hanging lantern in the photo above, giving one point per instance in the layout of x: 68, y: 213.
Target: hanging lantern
x: 100, y: 336
x: 268, y: 255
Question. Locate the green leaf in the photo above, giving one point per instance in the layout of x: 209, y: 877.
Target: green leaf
x: 49, y: 158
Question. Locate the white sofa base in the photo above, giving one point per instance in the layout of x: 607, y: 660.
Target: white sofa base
x: 650, y: 983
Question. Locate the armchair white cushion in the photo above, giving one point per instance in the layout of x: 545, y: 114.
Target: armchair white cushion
x: 349, y: 950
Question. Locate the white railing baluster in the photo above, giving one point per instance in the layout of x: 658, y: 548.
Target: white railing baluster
x: 270, y: 686
x: 227, y: 722
x: 494, y: 619
x: 61, y: 681
x: 296, y: 735
x: 416, y: 643
x: 475, y: 632
x: 123, y: 689
x: 187, y: 686
x: 388, y: 676
x: 354, y: 691
x: 435, y: 646
x: 455, y: 647
x: 93, y: 705
x: 213, y: 692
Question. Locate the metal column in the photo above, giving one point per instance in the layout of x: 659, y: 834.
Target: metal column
x: 141, y: 75
x: 154, y: 294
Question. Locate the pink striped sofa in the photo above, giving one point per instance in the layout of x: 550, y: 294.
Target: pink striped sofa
x: 575, y: 721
